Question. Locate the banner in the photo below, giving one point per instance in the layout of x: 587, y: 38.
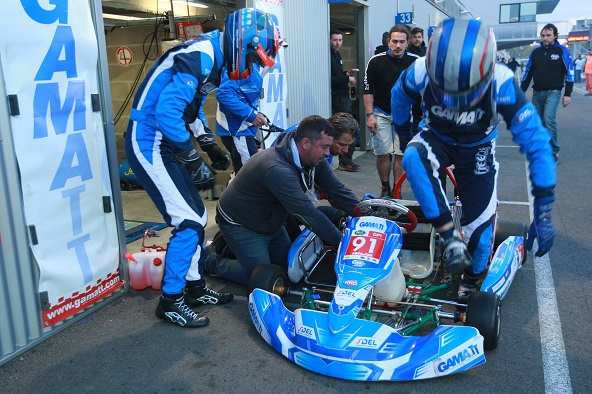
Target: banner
x: 274, y: 84
x: 49, y: 57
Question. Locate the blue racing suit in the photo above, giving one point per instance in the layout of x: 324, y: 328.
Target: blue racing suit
x: 170, y: 97
x: 238, y: 106
x: 466, y: 138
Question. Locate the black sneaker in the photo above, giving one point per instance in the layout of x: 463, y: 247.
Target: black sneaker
x: 456, y: 255
x: 199, y: 294
x: 466, y: 287
x: 176, y: 311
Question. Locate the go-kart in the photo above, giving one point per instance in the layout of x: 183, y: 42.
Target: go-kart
x: 378, y: 325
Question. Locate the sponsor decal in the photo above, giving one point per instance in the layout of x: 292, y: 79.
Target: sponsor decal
x: 525, y: 114
x: 359, y: 232
x: 459, y: 359
x: 460, y: 118
x: 554, y: 56
x: 365, y: 342
x: 350, y: 282
x: 357, y: 263
x: 255, y: 317
x: 307, y: 332
x: 481, y: 166
x: 377, y: 226
x: 346, y: 293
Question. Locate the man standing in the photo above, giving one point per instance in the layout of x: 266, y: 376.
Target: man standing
x: 340, y: 101
x: 275, y: 182
x: 579, y: 68
x: 163, y: 156
x: 382, y: 72
x: 417, y: 46
x: 588, y: 73
x: 550, y: 66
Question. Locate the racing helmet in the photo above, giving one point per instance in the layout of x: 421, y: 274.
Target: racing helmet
x: 460, y: 61
x: 250, y: 35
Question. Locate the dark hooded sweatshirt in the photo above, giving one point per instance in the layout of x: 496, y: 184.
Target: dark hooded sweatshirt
x: 271, y: 185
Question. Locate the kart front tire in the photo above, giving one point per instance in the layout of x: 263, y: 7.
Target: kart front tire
x: 484, y: 313
x: 268, y: 277
x: 505, y: 229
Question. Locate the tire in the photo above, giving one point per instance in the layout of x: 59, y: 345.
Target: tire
x: 505, y: 229
x: 484, y: 313
x: 124, y: 184
x: 268, y: 277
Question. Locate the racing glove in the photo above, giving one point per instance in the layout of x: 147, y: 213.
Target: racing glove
x: 541, y: 227
x: 220, y: 159
x: 202, y: 175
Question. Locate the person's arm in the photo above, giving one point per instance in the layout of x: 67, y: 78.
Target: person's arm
x: 339, y: 194
x: 527, y: 76
x: 295, y: 201
x: 232, y: 100
x: 404, y: 94
x: 528, y: 132
x: 569, y: 76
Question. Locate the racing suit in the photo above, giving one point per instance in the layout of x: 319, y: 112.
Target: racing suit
x: 238, y: 104
x: 169, y: 98
x: 253, y: 209
x: 466, y: 138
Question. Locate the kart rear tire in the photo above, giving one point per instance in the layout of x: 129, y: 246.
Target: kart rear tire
x: 268, y: 277
x: 484, y: 313
x: 505, y: 229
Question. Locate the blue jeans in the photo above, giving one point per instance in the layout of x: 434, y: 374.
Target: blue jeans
x: 546, y: 103
x: 251, y: 249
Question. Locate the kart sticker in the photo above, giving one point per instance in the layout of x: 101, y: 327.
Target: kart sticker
x: 366, y: 247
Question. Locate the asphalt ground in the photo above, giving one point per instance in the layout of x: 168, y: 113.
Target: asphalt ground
x: 123, y: 347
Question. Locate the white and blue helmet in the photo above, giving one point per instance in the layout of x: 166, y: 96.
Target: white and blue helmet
x: 250, y: 35
x: 460, y: 61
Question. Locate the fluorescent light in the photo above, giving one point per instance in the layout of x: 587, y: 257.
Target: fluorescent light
x: 190, y: 3
x: 122, y: 17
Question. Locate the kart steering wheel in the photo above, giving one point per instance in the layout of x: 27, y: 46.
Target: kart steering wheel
x: 387, y: 209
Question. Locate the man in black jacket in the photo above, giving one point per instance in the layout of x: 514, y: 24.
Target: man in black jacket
x: 275, y: 182
x: 340, y: 101
x: 550, y: 66
x: 417, y: 45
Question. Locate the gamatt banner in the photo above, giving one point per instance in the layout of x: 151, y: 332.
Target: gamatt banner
x: 49, y: 54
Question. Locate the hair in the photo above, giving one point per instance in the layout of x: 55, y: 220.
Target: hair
x: 343, y: 123
x: 335, y: 31
x: 313, y: 127
x: 550, y: 26
x: 416, y: 30
x: 385, y: 38
x: 399, y: 29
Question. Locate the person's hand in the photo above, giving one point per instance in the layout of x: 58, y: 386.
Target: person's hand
x: 372, y: 124
x: 542, y: 226
x: 220, y: 159
x: 260, y: 120
x: 202, y: 175
x: 352, y: 72
x: 352, y: 80
x: 566, y: 101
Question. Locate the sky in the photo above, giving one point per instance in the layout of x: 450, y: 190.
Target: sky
x: 568, y: 10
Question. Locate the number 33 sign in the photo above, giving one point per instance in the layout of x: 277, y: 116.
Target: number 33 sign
x: 368, y: 247
x: 404, y: 18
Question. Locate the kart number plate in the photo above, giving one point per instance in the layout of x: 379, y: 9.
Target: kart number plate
x: 368, y: 247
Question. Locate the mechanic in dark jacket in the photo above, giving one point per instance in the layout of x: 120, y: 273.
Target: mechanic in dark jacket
x: 253, y: 209
x: 550, y: 66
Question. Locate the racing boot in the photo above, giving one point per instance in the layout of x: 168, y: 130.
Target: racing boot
x: 468, y: 285
x: 386, y: 192
x: 173, y: 309
x: 197, y: 293
x: 456, y: 254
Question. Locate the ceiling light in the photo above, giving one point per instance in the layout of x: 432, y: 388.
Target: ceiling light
x: 190, y: 3
x: 122, y: 17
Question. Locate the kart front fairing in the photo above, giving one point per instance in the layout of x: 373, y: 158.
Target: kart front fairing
x: 337, y: 343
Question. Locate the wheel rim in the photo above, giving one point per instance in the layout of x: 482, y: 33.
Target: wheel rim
x: 278, y: 286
